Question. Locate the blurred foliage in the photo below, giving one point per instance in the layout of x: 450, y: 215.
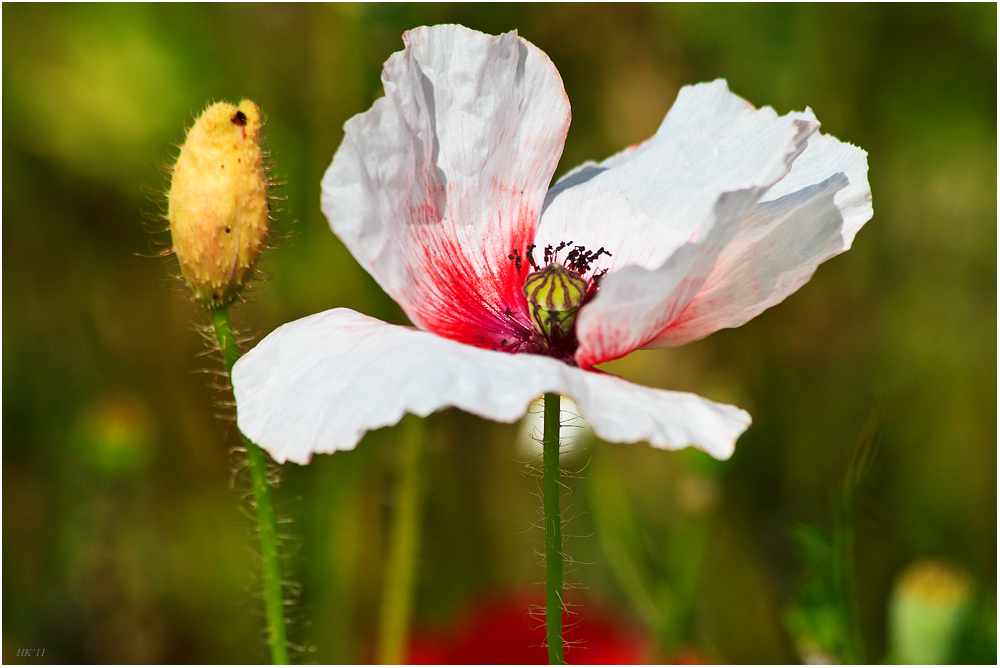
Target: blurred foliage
x: 122, y: 541
x: 823, y: 620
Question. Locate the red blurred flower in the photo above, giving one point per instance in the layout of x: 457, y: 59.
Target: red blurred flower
x: 507, y: 630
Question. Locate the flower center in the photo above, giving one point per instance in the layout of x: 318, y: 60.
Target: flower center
x: 554, y: 293
x: 554, y: 296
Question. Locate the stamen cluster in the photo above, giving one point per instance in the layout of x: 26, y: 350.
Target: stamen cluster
x: 554, y: 291
x: 578, y: 259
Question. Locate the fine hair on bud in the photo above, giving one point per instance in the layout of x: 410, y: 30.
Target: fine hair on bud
x: 218, y: 205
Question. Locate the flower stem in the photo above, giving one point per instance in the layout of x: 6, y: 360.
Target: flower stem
x: 404, y: 548
x: 553, y: 530
x: 268, y: 524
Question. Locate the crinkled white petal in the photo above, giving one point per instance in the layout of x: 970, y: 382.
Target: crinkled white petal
x: 437, y: 182
x: 647, y: 201
x: 318, y: 384
x: 807, y: 218
x: 667, y: 209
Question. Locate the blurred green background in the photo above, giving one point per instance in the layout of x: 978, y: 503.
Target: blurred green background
x: 122, y: 540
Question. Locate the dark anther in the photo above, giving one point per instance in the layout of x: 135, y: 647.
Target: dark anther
x: 575, y: 257
x: 581, y: 259
x: 515, y: 255
x: 531, y: 260
x: 227, y: 230
x: 509, y: 314
x: 239, y: 119
x: 550, y: 253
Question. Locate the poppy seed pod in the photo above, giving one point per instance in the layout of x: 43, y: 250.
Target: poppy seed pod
x: 554, y: 296
x: 218, y: 201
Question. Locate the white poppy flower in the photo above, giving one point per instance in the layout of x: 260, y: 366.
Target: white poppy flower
x: 440, y: 191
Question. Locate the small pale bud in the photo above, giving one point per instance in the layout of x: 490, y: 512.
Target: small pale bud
x: 554, y: 296
x: 218, y: 206
x: 574, y: 436
x: 928, y: 604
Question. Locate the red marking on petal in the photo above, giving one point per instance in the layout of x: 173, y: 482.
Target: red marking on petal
x: 468, y: 292
x: 605, y: 343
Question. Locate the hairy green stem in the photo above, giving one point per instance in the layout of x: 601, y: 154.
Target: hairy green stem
x: 553, y: 530
x: 266, y: 519
x: 404, y: 548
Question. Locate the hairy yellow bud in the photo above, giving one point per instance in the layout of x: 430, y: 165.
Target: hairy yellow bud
x: 554, y: 296
x: 218, y: 206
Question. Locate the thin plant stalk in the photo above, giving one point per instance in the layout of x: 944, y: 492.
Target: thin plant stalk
x: 404, y: 547
x: 552, y: 516
x: 266, y: 519
x: 844, y: 564
x: 862, y: 462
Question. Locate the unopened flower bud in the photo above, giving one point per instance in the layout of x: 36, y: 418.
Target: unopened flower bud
x: 218, y: 202
x: 554, y: 296
x: 928, y: 604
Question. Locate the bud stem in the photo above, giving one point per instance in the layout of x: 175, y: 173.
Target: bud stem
x: 268, y: 524
x: 553, y: 530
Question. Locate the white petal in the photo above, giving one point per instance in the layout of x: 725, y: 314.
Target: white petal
x: 318, y: 384
x: 667, y: 208
x: 808, y: 217
x: 647, y: 201
x: 434, y: 186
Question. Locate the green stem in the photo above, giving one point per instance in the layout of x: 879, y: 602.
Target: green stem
x: 553, y: 530
x: 397, y: 598
x: 844, y: 559
x: 273, y: 594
